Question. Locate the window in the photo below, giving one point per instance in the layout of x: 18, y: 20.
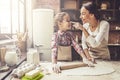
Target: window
x: 12, y: 16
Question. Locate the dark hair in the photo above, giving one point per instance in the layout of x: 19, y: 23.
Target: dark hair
x: 58, y: 18
x: 92, y: 8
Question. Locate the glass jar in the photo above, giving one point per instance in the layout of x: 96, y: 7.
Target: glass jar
x: 11, y: 58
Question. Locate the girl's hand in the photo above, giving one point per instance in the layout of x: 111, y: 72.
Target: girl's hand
x: 77, y: 25
x: 56, y: 68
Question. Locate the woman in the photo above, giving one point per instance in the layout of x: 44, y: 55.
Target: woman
x: 65, y: 38
x: 95, y: 32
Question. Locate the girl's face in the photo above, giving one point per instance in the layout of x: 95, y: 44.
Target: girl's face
x: 65, y: 24
x: 85, y: 15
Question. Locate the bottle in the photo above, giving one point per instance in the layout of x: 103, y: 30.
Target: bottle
x: 2, y: 55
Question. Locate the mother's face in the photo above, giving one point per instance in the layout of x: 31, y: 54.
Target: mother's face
x: 85, y: 15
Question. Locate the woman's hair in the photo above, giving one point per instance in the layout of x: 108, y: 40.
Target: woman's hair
x: 58, y: 18
x: 92, y: 8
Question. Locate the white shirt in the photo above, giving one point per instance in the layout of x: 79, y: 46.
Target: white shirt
x: 97, y: 39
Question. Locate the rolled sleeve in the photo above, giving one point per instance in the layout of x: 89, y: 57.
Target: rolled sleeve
x: 92, y: 41
x: 102, y: 34
x: 84, y: 45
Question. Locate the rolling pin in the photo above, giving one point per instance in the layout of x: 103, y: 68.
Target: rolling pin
x: 71, y: 66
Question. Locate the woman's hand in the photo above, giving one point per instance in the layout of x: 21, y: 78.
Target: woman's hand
x: 77, y: 25
x: 88, y: 62
x: 93, y: 60
x: 56, y: 68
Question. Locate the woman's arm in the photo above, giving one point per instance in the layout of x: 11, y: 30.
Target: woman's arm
x: 84, y: 45
x: 85, y: 55
x: 103, y: 31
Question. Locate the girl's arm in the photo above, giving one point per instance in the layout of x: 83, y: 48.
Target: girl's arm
x: 77, y: 47
x: 54, y: 48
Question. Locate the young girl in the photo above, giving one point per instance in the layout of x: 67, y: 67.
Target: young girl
x: 65, y: 38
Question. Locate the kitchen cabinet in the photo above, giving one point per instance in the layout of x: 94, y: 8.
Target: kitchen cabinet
x: 72, y: 7
x: 109, y: 10
x: 115, y: 51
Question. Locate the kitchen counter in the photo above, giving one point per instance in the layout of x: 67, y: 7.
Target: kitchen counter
x: 112, y: 76
x: 52, y: 76
x: 5, y: 74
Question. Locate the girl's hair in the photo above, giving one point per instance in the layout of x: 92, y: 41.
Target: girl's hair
x: 58, y: 18
x: 92, y: 8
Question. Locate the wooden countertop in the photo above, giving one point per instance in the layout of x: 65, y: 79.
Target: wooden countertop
x: 113, y: 76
